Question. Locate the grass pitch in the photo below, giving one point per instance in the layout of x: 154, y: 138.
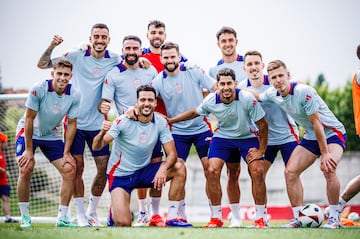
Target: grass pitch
x: 49, y: 231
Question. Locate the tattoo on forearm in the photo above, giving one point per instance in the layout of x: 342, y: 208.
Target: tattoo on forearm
x: 45, y: 60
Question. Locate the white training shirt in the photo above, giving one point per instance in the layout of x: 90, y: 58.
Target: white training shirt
x: 183, y: 92
x: 120, y: 85
x: 301, y: 102
x: 51, y: 109
x: 88, y: 75
x: 235, y: 120
x: 134, y: 143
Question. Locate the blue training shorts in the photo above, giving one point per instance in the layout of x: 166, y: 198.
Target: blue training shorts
x: 285, y: 150
x: 201, y: 141
x: 313, y: 146
x: 224, y: 148
x: 51, y: 149
x: 140, y: 179
x: 83, y: 136
x: 5, y: 190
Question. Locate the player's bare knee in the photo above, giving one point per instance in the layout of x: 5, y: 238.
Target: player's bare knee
x: 233, y: 173
x: 214, y: 173
x: 68, y: 171
x: 79, y: 170
x: 206, y: 173
x: 257, y: 174
x: 179, y: 168
x: 290, y: 173
x: 26, y: 172
x: 329, y: 175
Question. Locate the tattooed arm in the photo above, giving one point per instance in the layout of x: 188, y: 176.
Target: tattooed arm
x: 45, y: 59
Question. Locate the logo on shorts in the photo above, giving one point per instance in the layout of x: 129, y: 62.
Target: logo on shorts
x: 19, y: 148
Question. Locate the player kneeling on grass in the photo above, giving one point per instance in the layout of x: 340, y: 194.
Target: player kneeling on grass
x: 130, y: 164
x: 48, y: 103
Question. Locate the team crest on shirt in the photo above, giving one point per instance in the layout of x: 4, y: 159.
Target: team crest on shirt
x: 232, y: 115
x: 254, y: 103
x: 106, y: 81
x: 143, y: 138
x: 33, y: 92
x: 56, y: 108
x: 288, y: 108
x: 96, y: 72
x: 308, y: 97
x: 137, y: 82
x: 178, y: 88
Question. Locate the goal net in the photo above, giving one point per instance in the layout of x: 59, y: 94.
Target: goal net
x: 45, y: 181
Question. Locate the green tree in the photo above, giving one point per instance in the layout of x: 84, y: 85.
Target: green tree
x: 12, y: 116
x: 340, y: 103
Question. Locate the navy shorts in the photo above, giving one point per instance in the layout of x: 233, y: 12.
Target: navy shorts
x: 313, y: 145
x: 225, y: 148
x: 234, y: 156
x: 5, y: 190
x: 201, y: 141
x: 157, y: 150
x: 142, y: 178
x: 285, y: 150
x: 51, y: 149
x: 83, y: 136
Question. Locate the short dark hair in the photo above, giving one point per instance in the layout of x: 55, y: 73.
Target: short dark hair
x: 62, y: 62
x: 273, y: 65
x: 156, y: 24
x: 226, y: 71
x: 145, y: 88
x: 252, y: 53
x: 132, y: 37
x: 358, y: 51
x: 169, y: 45
x: 226, y: 29
x: 99, y: 25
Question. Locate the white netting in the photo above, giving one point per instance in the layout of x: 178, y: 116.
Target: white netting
x: 45, y: 181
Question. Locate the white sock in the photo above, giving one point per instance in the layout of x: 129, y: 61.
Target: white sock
x: 296, y: 211
x: 342, y: 204
x: 182, y: 209
x: 93, y: 203
x: 173, y: 210
x: 334, y: 211
x: 24, y: 208
x: 155, y: 205
x: 209, y: 201
x: 216, y: 212
x: 142, y: 205
x: 260, y: 212
x: 79, y: 203
x: 62, y: 211
x: 235, y: 211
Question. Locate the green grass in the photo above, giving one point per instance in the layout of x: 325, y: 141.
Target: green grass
x: 47, y: 231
